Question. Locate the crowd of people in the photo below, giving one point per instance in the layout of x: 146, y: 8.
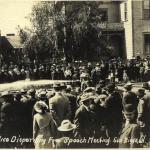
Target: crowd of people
x: 78, y: 115
x: 137, y: 70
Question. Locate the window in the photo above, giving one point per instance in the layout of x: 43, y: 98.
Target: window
x: 104, y: 14
x: 147, y: 43
x: 146, y: 9
x: 125, y: 12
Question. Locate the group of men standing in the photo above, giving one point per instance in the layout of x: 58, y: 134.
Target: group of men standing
x: 100, y: 111
x: 114, y: 69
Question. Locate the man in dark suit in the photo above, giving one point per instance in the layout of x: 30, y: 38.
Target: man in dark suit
x: 83, y: 117
x: 130, y: 132
x: 146, y: 109
x: 7, y: 118
x: 113, y: 106
x: 129, y: 97
x: 72, y: 99
x: 59, y: 105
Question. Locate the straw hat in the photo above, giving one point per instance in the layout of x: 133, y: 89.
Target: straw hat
x: 66, y: 125
x: 87, y: 96
x: 89, y: 89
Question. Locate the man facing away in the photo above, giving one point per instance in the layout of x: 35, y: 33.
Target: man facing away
x: 59, y: 105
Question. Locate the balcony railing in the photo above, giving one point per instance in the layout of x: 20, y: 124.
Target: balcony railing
x: 111, y: 26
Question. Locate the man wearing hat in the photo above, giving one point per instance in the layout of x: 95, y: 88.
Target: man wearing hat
x: 68, y: 73
x: 53, y: 72
x: 89, y: 68
x: 145, y: 86
x: 141, y: 105
x: 130, y: 130
x: 24, y: 96
x: 83, y: 117
x: 89, y: 89
x: 129, y: 97
x: 144, y: 111
x: 28, y: 114
x: 96, y: 74
x: 72, y: 99
x: 59, y: 73
x: 66, y: 129
x: 85, y: 81
x: 147, y: 108
x: 128, y: 87
x: 59, y: 105
x: 99, y: 115
x: 113, y: 106
x: 7, y: 118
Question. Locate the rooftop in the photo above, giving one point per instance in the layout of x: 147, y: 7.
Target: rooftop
x: 12, y: 40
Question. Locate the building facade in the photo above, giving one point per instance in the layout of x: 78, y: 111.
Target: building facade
x: 113, y: 28
x: 127, y: 27
x: 126, y: 24
x: 137, y: 27
x: 110, y: 23
x: 10, y: 49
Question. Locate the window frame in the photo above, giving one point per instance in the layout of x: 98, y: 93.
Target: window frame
x: 144, y: 9
x: 144, y: 43
x: 106, y: 10
x: 125, y: 11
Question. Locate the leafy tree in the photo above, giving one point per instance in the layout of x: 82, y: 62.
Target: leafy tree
x: 39, y: 42
x: 71, y: 27
x: 83, y: 33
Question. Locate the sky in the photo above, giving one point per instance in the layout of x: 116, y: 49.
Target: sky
x: 13, y: 13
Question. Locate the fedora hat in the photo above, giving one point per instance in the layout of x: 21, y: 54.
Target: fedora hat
x: 129, y: 109
x: 129, y: 98
x: 145, y: 85
x: 89, y: 89
x: 87, y: 96
x: 141, y: 92
x: 128, y: 85
x: 66, y: 125
x: 110, y: 86
x: 39, y: 106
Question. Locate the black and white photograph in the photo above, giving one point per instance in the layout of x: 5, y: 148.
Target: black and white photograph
x: 74, y: 74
